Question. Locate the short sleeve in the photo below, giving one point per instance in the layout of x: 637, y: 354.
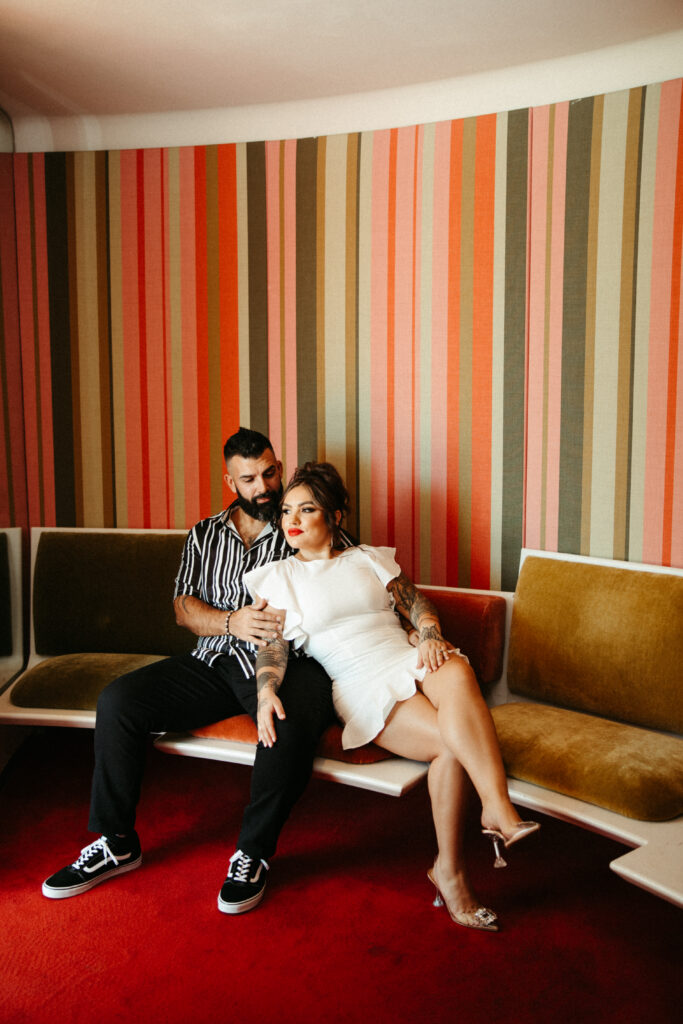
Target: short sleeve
x: 383, y: 562
x: 273, y: 581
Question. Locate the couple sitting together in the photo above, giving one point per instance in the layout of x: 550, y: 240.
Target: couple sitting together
x: 337, y: 604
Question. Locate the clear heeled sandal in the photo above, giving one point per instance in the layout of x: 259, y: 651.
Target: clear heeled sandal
x: 482, y: 918
x: 523, y: 829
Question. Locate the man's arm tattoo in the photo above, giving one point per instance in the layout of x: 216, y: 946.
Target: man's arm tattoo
x: 271, y: 663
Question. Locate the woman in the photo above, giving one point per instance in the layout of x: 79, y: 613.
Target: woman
x: 338, y: 604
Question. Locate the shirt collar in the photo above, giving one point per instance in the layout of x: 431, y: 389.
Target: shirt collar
x: 226, y: 519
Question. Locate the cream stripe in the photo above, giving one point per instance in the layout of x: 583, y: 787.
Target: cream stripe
x: 117, y: 361
x: 608, y: 290
x: 642, y: 323
x: 364, y: 323
x: 335, y: 303
x: 424, y: 340
x: 88, y: 338
x: 498, y: 354
x: 175, y: 339
x: 243, y: 281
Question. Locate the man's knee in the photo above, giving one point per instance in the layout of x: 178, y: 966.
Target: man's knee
x: 119, y: 695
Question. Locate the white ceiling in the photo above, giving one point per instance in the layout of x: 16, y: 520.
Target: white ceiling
x: 100, y: 57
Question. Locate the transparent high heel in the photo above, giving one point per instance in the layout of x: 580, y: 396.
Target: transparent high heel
x: 523, y: 829
x: 482, y: 918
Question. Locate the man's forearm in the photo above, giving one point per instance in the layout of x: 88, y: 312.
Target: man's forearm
x: 271, y: 664
x: 200, y: 618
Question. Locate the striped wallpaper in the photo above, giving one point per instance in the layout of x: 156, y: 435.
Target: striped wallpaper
x: 477, y: 321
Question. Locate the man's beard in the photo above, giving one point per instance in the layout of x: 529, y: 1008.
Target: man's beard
x: 264, y: 511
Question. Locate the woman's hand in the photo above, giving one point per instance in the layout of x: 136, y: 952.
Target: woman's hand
x: 433, y: 649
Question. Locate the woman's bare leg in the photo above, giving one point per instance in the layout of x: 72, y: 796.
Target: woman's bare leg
x: 467, y: 729
x: 412, y: 731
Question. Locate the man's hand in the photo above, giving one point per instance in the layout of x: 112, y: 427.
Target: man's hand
x: 269, y: 704
x: 258, y: 623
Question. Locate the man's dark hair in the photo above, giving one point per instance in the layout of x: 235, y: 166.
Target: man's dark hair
x: 247, y: 443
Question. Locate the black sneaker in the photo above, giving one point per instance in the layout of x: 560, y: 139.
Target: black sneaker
x: 245, y: 885
x: 95, y: 864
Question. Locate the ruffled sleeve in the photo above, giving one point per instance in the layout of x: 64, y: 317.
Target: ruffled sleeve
x: 273, y: 581
x: 383, y: 562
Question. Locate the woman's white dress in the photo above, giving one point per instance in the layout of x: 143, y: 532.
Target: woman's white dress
x: 341, y: 613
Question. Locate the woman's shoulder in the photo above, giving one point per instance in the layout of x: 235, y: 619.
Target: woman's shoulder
x: 382, y: 559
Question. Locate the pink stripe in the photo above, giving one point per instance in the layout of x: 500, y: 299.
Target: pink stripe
x: 378, y: 335
x: 439, y: 358
x: 660, y: 320
x: 554, y: 406
x: 186, y: 218
x: 404, y: 349
x: 156, y: 356
x: 274, y: 285
x: 418, y: 343
x: 536, y: 329
x: 44, y: 356
x: 289, y: 397
x: 12, y: 446
x: 130, y: 326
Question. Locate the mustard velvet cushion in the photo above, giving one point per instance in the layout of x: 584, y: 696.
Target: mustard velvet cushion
x: 74, y: 681
x: 241, y: 729
x: 632, y: 771
x: 104, y: 592
x: 599, y: 639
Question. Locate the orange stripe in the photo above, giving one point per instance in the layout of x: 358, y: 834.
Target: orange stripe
x: 453, y: 364
x: 201, y: 261
x: 674, y: 341
x: 482, y: 351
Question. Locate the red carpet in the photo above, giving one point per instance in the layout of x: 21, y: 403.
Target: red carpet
x: 346, y: 933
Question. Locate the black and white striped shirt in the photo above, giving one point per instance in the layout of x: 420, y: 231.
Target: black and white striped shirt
x: 212, y: 568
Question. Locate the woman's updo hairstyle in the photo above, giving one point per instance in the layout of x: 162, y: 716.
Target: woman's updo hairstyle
x: 328, y: 490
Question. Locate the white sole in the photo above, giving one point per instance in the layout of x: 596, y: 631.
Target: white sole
x: 76, y: 890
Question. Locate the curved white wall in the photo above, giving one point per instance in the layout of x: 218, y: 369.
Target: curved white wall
x: 620, y: 67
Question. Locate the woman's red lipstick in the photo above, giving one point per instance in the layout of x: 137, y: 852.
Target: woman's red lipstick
x: 294, y: 532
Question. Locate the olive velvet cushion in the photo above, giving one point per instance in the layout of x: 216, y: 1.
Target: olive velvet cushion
x: 102, y: 606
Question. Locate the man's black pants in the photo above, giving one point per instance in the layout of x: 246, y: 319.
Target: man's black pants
x: 183, y: 693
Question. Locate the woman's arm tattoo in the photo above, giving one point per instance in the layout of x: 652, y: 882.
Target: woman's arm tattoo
x: 411, y: 601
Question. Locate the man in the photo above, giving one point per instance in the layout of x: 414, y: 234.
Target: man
x: 214, y: 682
